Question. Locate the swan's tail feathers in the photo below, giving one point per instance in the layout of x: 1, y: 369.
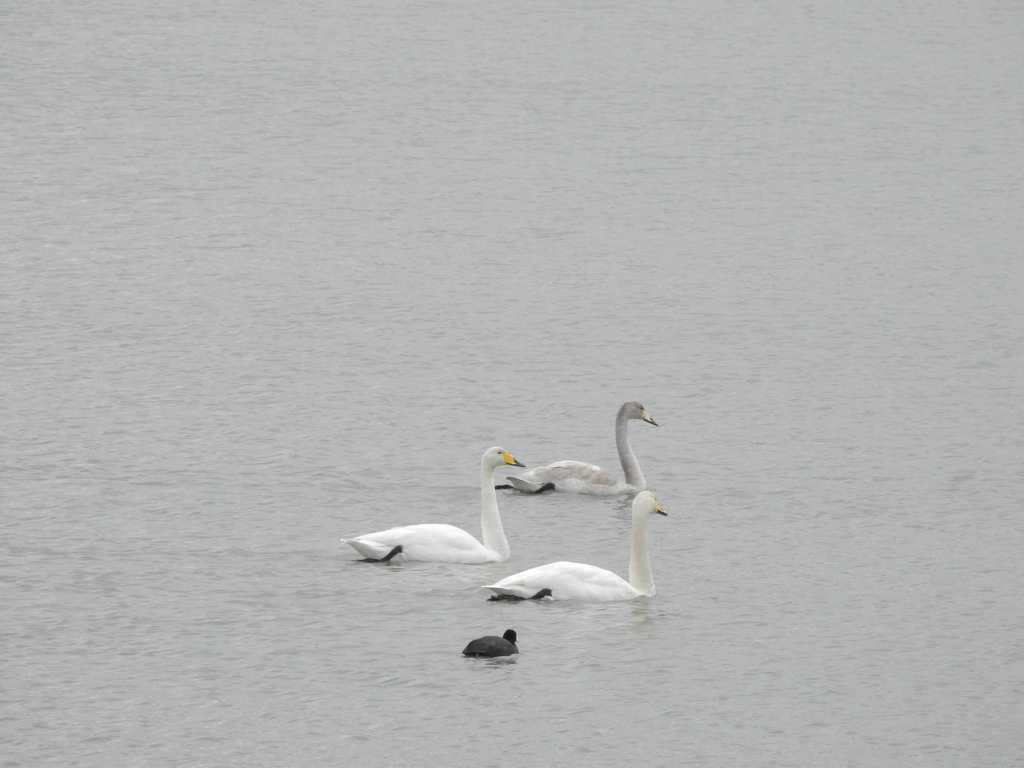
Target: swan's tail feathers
x: 516, y: 598
x: 364, y: 550
x: 525, y: 486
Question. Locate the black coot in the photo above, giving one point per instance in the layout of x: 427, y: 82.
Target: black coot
x: 493, y: 646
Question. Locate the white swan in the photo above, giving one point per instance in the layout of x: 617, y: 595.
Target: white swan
x: 576, y: 581
x: 580, y: 477
x: 446, y: 543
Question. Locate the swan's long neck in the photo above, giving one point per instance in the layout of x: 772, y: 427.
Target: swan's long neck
x: 640, y: 575
x: 490, y: 521
x: 630, y: 466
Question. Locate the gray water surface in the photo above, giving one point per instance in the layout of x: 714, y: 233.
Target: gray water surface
x: 275, y: 274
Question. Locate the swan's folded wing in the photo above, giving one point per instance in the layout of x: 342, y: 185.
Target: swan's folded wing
x: 570, y: 471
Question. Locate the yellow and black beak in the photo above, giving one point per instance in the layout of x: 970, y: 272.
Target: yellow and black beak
x: 646, y: 417
x: 510, y: 459
x: 657, y: 505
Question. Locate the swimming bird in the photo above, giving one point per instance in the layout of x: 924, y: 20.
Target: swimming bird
x: 446, y: 543
x: 576, y: 581
x: 580, y: 477
x: 492, y: 646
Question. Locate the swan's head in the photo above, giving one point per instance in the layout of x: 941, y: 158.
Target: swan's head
x: 496, y: 457
x: 646, y: 503
x: 634, y: 410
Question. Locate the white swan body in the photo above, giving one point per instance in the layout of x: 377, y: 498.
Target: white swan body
x: 445, y: 543
x: 576, y: 581
x: 580, y: 477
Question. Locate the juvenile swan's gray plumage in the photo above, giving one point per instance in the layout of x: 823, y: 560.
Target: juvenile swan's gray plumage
x: 580, y: 477
x: 492, y: 646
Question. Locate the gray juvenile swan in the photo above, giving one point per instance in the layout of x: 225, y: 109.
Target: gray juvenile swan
x: 577, y: 581
x: 446, y: 543
x: 580, y: 477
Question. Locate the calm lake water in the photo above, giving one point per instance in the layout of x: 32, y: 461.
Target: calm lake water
x: 278, y: 273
